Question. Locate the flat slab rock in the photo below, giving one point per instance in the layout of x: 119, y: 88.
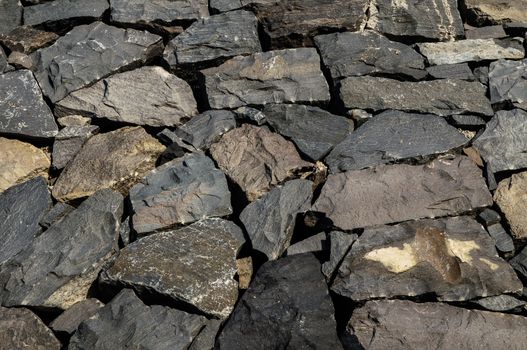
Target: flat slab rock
x: 270, y: 316
x: 69, y: 320
x: 88, y: 53
x: 194, y: 265
x: 144, y: 96
x: 392, y: 136
x: 501, y: 303
x: 68, y: 143
x: 157, y: 11
x: 10, y: 15
x: 339, y: 245
x: 401, y: 324
x: 459, y: 71
x: 511, y: 198
x: 117, y: 160
x: 291, y: 75
x: 484, y: 12
x: 453, y: 258
x: 207, y: 128
x: 362, y: 198
x: 257, y: 159
x: 64, y: 10
x: 27, y: 39
x: 508, y: 82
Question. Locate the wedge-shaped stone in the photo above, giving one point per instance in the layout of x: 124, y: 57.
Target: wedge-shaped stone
x: 340, y: 243
x: 501, y: 303
x: 482, y: 12
x: 207, y: 128
x: 508, y: 83
x: 69, y: 320
x: 68, y: 143
x: 157, y: 11
x: 511, y: 197
x: 58, y: 12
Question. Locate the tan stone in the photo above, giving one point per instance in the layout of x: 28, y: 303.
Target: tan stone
x: 245, y: 272
x: 511, y: 197
x: 497, y: 11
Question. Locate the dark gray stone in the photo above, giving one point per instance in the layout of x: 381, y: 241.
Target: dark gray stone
x: 482, y: 74
x: 489, y: 32
x: 3, y: 61
x: 10, y: 15
x: 489, y: 217
x: 519, y: 263
x: 69, y: 320
x: 206, y: 339
x: 501, y: 303
x: 313, y: 244
x: 340, y: 244
x: 159, y: 11
x: 502, y: 239
x: 206, y: 128
x: 27, y: 39
x: 251, y: 115
x: 468, y: 121
x: 55, y: 214
x: 58, y: 12
x: 508, y: 83
x: 68, y: 143
x: 459, y: 71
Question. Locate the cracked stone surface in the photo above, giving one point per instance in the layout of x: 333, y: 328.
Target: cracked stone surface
x: 508, y: 82
x: 158, y: 11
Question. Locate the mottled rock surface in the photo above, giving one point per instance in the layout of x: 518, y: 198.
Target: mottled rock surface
x: 207, y: 128
x: 10, y: 15
x: 501, y: 303
x: 483, y: 12
x: 27, y: 39
x: 460, y: 71
x: 63, y: 11
x: 502, y: 239
x: 157, y: 11
x: 511, y: 197
x: 68, y: 142
x: 69, y: 320
x: 508, y: 82
x: 4, y: 66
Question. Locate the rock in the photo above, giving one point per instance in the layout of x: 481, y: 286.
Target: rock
x: 519, y: 263
x: 116, y: 160
x: 313, y: 244
x: 501, y: 303
x: 511, y: 197
x: 469, y: 50
x: 442, y: 97
x: 402, y: 324
x: 490, y: 32
x: 489, y: 217
x: 68, y: 143
x: 257, y: 159
x: 393, y: 136
x: 340, y: 244
x: 20, y: 161
x: 207, y: 128
x: 22, y: 206
x: 4, y: 66
x: 482, y: 74
x: 55, y: 214
x: 58, y: 268
x: 89, y: 53
x: 194, y: 265
x: 69, y: 320
x: 270, y: 221
x: 23, y: 111
x: 503, y: 145
x: 380, y: 195
x: 245, y: 272
x: 468, y: 121
x: 286, y: 307
x: 430, y: 20
x: 181, y: 191
x: 73, y: 120
x: 251, y: 115
x: 165, y: 12
x: 452, y: 258
x: 365, y: 53
x: 206, y: 339
x: 125, y: 323
x: 22, y: 329
x: 125, y: 233
x: 313, y: 130
x: 291, y: 75
x: 502, y: 239
x: 59, y: 12
x: 482, y: 12
x: 10, y: 15
x: 20, y: 60
x: 27, y: 39
x: 222, y: 36
x: 508, y: 83
x: 459, y: 71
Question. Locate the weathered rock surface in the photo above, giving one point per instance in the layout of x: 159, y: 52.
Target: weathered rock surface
x: 508, y: 82
x: 55, y: 214
x: 459, y: 71
x: 157, y: 11
x: 20, y: 60
x: 73, y: 120
x: 181, y: 191
x: 501, y: 303
x: 488, y: 32
x: 88, y: 53
x: 10, y: 15
x: 313, y: 244
x: 380, y: 195
x: 291, y: 75
x: 58, y: 268
x: 4, y: 66
x: 59, y: 12
x: 501, y: 237
x: 27, y: 39
x: 69, y: 141
x: 251, y: 115
x: 69, y: 320
x: 519, y: 263
x: 392, y: 136
x: 206, y: 339
x: 271, y: 316
x: 340, y: 243
x: 207, y: 128
x: 116, y: 160
x: 511, y: 197
x: 468, y: 121
x: 483, y: 12
x: 256, y: 159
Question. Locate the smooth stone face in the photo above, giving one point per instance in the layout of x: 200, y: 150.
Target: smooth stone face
x: 27, y: 39
x: 58, y: 268
x: 116, y: 160
x: 127, y: 323
x: 519, y: 263
x: 286, y: 306
x: 88, y: 53
x: 73, y: 120
x: 270, y: 221
x: 496, y: 11
x: 64, y: 10
x: 145, y: 96
x: 459, y: 71
x: 490, y: 32
x: 159, y: 11
x: 291, y: 75
x: 316, y: 243
x: 257, y: 159
x: 511, y: 197
x: 340, y: 243
x: 23, y: 111
x: 207, y: 128
x: 181, y: 191
x: 392, y: 136
x: 206, y: 339
x: 55, y: 214
x: 501, y: 237
x: 469, y: 121
x: 10, y: 15
x: 379, y: 94
x: 381, y: 195
x: 501, y: 303
x: 194, y: 265
x: 69, y: 141
x: 69, y: 320
x: 508, y: 82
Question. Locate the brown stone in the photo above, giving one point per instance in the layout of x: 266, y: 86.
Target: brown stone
x: 27, y: 39
x: 245, y: 272
x: 511, y: 197
x: 483, y: 12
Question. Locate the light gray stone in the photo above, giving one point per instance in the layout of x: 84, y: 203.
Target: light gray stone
x: 508, y: 83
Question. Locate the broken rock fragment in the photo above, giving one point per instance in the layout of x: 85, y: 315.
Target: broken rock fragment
x: 207, y: 128
x: 511, y: 197
x: 508, y: 83
x: 59, y: 12
x: 483, y: 12
x: 340, y: 243
x: 158, y: 11
x: 459, y: 71
x: 68, y: 142
x: 10, y: 15
x: 69, y: 320
x: 26, y: 39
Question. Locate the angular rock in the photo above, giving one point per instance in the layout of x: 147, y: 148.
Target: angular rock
x: 194, y: 265
x: 270, y: 221
x: 313, y: 130
x: 482, y: 74
x: 69, y: 320
x: 126, y: 323
x: 459, y: 71
x: 26, y: 39
x: 10, y: 15
x: 468, y: 121
x: 452, y: 258
x: 490, y: 217
x: 89, y: 53
x: 23, y: 111
x: 256, y: 159
x: 508, y: 82
x: 501, y: 303
x: 286, y: 307
x: 206, y: 128
x: 116, y: 160
x: 251, y: 115
x: 490, y: 32
x: 340, y: 244
x: 291, y: 75
x: 502, y: 239
x: 58, y: 268
x: 59, y: 12
x: 55, y: 214
x: 245, y: 272
x: 125, y: 232
x: 442, y: 97
x: 20, y: 60
x: 68, y: 143
x: 206, y: 339
x: 4, y: 66
x: 511, y: 197
x: 73, y: 120
x: 483, y: 12
x: 392, y: 136
x: 145, y: 96
x: 380, y: 195
x: 313, y: 244
x: 158, y: 11
x: 519, y: 263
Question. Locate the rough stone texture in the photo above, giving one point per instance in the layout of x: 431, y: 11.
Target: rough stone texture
x: 453, y: 258
x: 256, y: 159
x: 245, y: 272
x: 460, y: 71
x: 519, y: 263
x: 489, y: 217
x: 381, y: 195
x: 271, y: 316
x: 181, y: 191
x: 69, y: 320
x: 367, y: 53
x: 26, y: 39
x: 392, y: 136
x: 116, y: 160
x: 4, y: 66
x: 58, y: 268
x: 291, y: 75
x: 508, y: 82
x: 501, y: 237
x: 55, y: 214
x: 207, y: 128
x: 88, y: 53
x: 340, y: 243
x: 23, y: 111
x: 20, y: 60
x: 127, y: 323
x: 490, y: 32
x: 503, y: 145
x: 453, y: 52
x: 401, y: 324
x: 496, y: 11
x: 68, y: 142
x: 468, y: 121
x: 222, y: 36
x: 511, y: 197
x: 206, y: 339
x: 60, y: 11
x: 270, y: 221
x: 157, y: 11
x: 501, y: 303
x: 194, y: 265
x: 434, y: 19
x: 10, y: 15
x: 22, y: 329
x: 73, y: 120
x: 315, y: 244
x: 442, y: 97
x: 251, y: 115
